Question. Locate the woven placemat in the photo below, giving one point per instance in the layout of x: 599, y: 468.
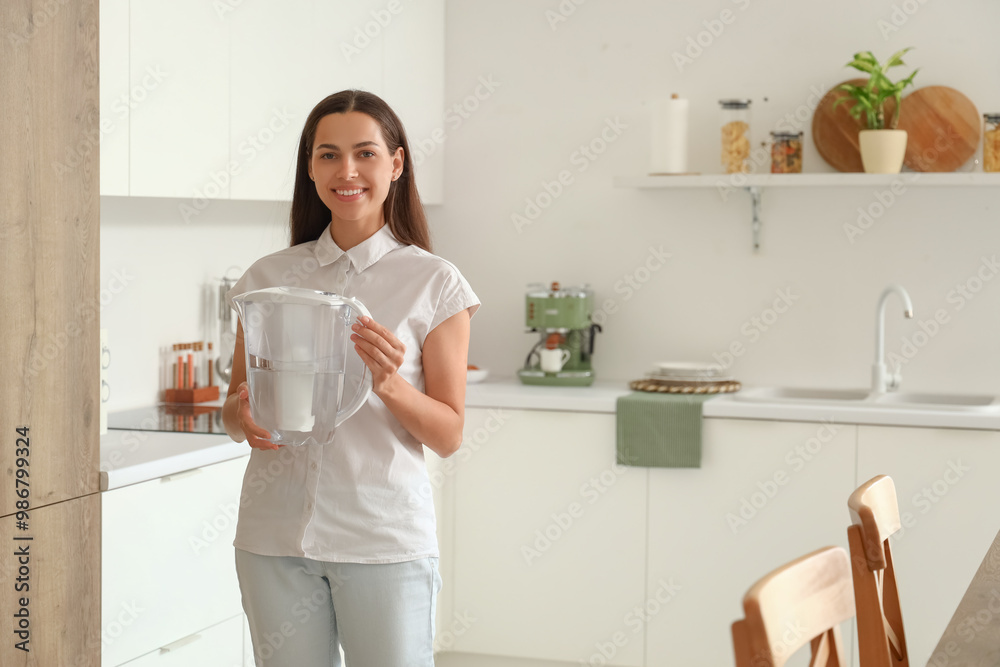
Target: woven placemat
x: 674, y: 387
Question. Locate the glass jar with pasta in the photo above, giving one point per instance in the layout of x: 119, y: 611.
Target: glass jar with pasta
x: 786, y: 152
x: 991, y: 142
x: 735, y: 136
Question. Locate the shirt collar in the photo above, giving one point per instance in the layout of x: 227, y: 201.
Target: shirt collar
x: 361, y: 256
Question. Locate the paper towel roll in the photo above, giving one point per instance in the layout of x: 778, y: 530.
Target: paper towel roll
x: 668, y: 139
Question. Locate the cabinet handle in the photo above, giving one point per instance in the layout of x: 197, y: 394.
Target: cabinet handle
x: 179, y: 643
x: 180, y: 475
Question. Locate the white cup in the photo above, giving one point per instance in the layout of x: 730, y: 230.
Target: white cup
x: 554, y: 360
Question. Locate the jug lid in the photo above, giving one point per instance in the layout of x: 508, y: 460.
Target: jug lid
x: 300, y: 296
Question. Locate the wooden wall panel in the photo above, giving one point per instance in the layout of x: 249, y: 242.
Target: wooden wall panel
x: 60, y: 584
x: 49, y: 246
x: 50, y: 555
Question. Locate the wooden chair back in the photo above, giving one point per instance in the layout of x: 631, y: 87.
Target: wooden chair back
x: 803, y: 602
x: 875, y: 517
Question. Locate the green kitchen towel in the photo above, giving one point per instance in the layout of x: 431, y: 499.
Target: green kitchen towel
x: 660, y: 430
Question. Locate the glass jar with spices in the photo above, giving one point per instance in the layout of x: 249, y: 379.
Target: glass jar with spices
x: 735, y: 136
x: 991, y: 142
x: 786, y: 153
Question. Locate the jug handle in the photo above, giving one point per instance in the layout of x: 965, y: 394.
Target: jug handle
x: 366, y: 377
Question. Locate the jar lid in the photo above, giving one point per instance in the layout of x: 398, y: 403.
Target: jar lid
x: 785, y: 136
x: 735, y: 104
x: 992, y: 117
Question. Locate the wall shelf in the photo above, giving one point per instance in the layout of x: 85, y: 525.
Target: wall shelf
x: 754, y: 183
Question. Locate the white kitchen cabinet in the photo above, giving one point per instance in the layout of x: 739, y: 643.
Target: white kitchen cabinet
x: 220, y: 645
x: 273, y: 87
x: 549, y: 534
x: 115, y: 97
x: 413, y: 85
x: 767, y: 493
x: 179, y: 120
x: 207, y: 100
x: 168, y: 569
x: 947, y: 492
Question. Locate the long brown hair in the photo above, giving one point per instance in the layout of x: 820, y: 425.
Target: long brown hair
x: 402, y: 208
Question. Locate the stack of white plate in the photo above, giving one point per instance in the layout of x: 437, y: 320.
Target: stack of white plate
x: 688, y: 371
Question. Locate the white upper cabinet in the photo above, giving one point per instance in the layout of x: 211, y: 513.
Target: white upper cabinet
x: 180, y: 128
x: 272, y: 89
x: 208, y: 99
x: 413, y: 85
x: 115, y: 97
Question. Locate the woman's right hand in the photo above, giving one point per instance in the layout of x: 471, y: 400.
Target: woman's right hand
x: 257, y: 437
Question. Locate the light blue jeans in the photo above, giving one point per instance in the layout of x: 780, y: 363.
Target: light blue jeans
x: 300, y: 611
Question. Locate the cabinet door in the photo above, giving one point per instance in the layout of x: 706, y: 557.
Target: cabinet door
x: 115, y: 96
x: 348, y: 39
x: 220, y: 645
x: 274, y: 86
x: 947, y: 492
x: 413, y: 85
x: 548, y: 538
x: 179, y: 120
x: 168, y: 566
x: 766, y: 493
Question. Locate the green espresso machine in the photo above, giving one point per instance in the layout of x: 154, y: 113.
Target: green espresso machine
x: 562, y: 319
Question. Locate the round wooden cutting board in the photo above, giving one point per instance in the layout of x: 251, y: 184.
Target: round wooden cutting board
x: 942, y: 127
x: 835, y: 131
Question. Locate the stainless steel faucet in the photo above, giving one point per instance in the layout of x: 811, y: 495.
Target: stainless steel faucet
x: 882, y: 380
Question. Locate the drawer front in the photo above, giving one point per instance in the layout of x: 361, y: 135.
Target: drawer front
x: 168, y: 565
x: 218, y: 646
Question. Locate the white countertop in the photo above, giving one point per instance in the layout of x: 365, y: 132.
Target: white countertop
x: 130, y: 457
x: 508, y: 392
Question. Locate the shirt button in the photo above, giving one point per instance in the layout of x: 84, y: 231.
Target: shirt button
x: 313, y: 466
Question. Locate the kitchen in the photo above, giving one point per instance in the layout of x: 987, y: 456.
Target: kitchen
x: 545, y: 111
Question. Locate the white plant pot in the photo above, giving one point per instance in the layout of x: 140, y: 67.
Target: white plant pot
x: 882, y: 151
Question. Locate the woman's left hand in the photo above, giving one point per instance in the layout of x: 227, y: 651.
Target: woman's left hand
x: 381, y: 351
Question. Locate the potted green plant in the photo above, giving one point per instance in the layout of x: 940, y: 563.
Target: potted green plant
x: 882, y: 145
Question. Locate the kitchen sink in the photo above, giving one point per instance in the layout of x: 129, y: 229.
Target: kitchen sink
x: 798, y: 395
x: 865, y: 399
x: 939, y: 401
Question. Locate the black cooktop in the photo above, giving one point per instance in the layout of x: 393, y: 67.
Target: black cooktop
x: 171, y: 417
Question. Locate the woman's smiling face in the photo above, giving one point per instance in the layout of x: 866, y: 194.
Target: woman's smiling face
x: 352, y: 167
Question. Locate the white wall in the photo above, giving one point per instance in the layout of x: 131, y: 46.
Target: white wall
x: 555, y: 87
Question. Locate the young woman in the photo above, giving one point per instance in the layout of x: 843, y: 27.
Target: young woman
x: 336, y: 544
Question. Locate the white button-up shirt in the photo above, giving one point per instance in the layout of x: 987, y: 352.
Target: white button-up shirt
x: 365, y: 498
